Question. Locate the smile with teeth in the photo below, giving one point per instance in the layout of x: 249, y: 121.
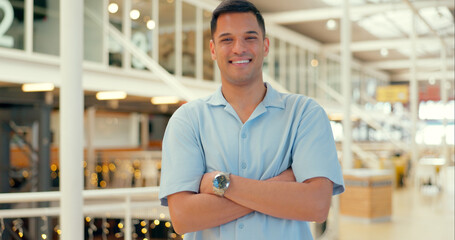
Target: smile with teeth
x: 241, y: 61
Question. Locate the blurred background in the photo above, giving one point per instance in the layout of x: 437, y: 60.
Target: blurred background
x: 382, y: 69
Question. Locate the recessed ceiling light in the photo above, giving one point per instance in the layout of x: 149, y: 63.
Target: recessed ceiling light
x: 331, y: 24
x: 135, y: 14
x: 110, y: 95
x: 314, y: 63
x: 112, y: 8
x: 384, y: 52
x: 37, y: 87
x: 165, y: 100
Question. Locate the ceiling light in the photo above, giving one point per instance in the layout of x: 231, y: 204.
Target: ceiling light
x: 384, y: 52
x: 331, y: 24
x: 110, y: 95
x: 135, y: 14
x: 37, y: 87
x: 151, y: 24
x: 314, y: 63
x: 165, y: 100
x: 432, y: 80
x: 112, y: 8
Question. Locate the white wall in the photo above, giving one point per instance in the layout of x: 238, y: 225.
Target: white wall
x: 111, y: 130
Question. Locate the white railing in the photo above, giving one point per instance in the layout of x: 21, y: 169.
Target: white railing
x: 123, y: 203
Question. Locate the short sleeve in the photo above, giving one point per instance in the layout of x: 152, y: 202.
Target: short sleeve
x: 314, y: 151
x: 182, y: 162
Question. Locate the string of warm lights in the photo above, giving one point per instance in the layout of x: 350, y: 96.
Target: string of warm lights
x: 44, y: 227
x: 106, y: 171
x: 145, y: 228
x: 2, y: 227
x: 17, y: 226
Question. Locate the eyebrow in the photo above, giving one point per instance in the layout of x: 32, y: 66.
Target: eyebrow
x: 228, y: 34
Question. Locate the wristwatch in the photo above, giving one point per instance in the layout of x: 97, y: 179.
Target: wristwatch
x: 221, y: 183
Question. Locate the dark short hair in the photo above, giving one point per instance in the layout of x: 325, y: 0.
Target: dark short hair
x: 236, y: 6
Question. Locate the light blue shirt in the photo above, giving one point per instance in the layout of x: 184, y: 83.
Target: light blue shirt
x: 284, y: 130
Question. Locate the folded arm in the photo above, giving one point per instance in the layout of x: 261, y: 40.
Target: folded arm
x: 307, y: 201
x: 192, y: 212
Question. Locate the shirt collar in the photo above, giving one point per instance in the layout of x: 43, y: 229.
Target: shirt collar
x: 272, y: 98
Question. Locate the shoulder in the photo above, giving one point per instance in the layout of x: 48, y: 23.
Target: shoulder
x: 191, y: 113
x: 190, y: 107
x: 300, y: 103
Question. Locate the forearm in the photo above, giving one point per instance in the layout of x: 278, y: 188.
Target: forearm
x: 307, y: 201
x: 192, y: 212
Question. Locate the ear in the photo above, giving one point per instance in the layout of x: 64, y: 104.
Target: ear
x: 212, y: 50
x: 266, y: 46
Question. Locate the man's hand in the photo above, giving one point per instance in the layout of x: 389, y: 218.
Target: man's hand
x: 206, y: 185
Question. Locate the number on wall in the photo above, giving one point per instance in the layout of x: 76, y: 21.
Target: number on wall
x: 5, y: 24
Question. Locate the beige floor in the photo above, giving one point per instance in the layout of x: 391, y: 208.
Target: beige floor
x: 417, y: 214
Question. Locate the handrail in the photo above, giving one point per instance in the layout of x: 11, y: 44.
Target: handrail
x: 125, y: 202
x: 90, y: 209
x: 86, y: 194
x: 359, y: 112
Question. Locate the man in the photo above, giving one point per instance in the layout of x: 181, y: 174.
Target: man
x: 247, y: 162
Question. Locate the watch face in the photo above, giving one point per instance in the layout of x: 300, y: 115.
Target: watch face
x: 220, y: 182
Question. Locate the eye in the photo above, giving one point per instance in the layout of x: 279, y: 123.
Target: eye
x: 226, y: 40
x: 251, y: 38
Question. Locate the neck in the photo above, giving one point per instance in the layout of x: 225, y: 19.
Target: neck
x: 244, y: 96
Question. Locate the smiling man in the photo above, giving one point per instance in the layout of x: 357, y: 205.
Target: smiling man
x: 247, y: 162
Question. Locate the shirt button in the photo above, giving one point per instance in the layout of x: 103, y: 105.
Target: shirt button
x: 241, y: 225
x: 243, y: 135
x: 243, y: 165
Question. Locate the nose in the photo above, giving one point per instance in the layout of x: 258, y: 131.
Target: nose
x: 239, y: 46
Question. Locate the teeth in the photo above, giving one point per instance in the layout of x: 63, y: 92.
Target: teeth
x: 241, y: 61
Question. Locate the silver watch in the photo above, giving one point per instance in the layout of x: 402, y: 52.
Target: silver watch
x: 221, y: 183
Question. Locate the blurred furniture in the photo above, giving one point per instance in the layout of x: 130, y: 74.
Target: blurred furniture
x: 368, y: 195
x: 427, y: 171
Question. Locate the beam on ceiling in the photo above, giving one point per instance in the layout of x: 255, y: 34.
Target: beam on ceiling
x: 319, y: 14
x: 421, y: 76
x: 415, y: 10
x: 373, y: 45
x: 403, y: 64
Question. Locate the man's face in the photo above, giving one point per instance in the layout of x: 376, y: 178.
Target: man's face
x: 239, y: 48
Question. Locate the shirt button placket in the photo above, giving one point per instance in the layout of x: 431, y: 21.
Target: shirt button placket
x: 243, y: 136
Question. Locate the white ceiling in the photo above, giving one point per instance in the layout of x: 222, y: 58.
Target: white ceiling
x: 376, y: 25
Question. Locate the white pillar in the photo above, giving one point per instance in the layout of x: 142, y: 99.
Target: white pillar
x: 156, y: 31
x: 320, y: 94
x: 271, y: 58
x: 413, y: 92
x: 145, y: 131
x: 444, y: 98
x: 71, y: 119
x: 28, y: 26
x: 283, y: 64
x: 292, y: 69
x: 346, y: 85
x: 303, y: 66
x: 126, y: 29
x: 105, y: 16
x: 128, y: 221
x: 91, y: 158
x: 199, y: 43
x: 178, y: 39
